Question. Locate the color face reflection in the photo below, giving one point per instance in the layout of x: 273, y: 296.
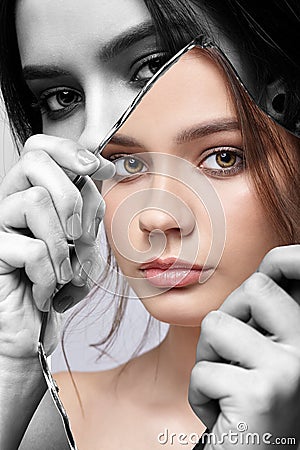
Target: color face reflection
x: 182, y: 216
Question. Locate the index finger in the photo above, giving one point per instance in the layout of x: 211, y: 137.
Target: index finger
x: 260, y: 298
x: 282, y: 262
x: 71, y: 156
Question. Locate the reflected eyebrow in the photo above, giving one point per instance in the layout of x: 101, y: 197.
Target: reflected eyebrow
x: 202, y: 130
x: 109, y: 51
x: 40, y: 71
x: 126, y: 39
x: 125, y: 141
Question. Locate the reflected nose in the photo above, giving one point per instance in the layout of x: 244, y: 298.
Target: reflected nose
x: 96, y: 127
x: 99, y: 118
x: 166, y: 212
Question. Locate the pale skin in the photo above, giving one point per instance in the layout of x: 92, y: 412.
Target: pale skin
x: 118, y: 406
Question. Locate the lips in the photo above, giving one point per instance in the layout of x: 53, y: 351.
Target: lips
x: 172, y: 272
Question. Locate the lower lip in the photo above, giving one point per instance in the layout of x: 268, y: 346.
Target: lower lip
x: 171, y: 278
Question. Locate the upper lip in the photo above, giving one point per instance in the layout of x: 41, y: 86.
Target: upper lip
x: 166, y: 263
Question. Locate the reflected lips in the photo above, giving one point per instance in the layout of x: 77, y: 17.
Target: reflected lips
x: 171, y: 272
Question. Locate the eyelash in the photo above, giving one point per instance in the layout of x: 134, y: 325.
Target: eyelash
x: 214, y: 173
x: 161, y: 56
x: 221, y: 173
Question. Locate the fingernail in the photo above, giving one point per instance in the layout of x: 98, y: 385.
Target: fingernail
x: 85, y: 270
x: 94, y: 227
x: 85, y: 157
x: 66, y: 272
x: 106, y: 170
x: 74, y: 228
x: 63, y: 304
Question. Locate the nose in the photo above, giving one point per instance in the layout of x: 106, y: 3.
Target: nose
x: 166, y: 212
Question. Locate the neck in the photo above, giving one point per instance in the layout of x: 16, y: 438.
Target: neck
x: 177, y: 355
x: 164, y: 372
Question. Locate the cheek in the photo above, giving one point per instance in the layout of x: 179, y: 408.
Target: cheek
x: 249, y: 234
x: 109, y: 213
x: 69, y: 128
x: 116, y: 223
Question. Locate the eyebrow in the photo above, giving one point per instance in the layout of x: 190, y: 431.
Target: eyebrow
x: 188, y: 135
x: 206, y: 129
x: 39, y: 72
x: 109, y: 51
x: 125, y: 141
x: 126, y: 39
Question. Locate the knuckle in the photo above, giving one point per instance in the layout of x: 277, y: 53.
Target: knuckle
x: 272, y: 256
x: 263, y: 395
x: 196, y: 376
x: 198, y: 373
x: 198, y: 379
x: 72, y: 198
x: 61, y: 247
x: 39, y: 256
x: 210, y: 321
x: 33, y: 142
x: 31, y: 158
x: 39, y: 251
x: 257, y: 283
x: 38, y: 195
x: 290, y: 372
x: 66, y: 145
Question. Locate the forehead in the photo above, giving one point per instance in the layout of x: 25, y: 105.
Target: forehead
x: 59, y: 25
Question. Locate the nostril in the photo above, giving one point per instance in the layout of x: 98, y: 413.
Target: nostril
x: 157, y: 221
x: 158, y: 241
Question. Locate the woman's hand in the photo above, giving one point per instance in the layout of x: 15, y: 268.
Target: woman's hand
x: 248, y: 359
x: 40, y: 210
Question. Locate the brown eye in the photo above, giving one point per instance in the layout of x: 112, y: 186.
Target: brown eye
x: 226, y: 159
x: 223, y: 161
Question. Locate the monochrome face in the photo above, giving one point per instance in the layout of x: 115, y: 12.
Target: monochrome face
x: 182, y: 216
x: 85, y: 61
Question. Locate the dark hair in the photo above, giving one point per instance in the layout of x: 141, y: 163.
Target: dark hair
x: 265, y: 33
x: 24, y: 120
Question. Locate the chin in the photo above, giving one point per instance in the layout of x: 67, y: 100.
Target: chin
x: 182, y: 307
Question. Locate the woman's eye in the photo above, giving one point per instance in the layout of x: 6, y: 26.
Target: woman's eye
x: 127, y: 166
x: 223, y: 161
x: 148, y: 67
x: 59, y: 100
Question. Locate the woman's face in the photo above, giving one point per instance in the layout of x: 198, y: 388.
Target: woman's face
x: 181, y: 141
x: 85, y: 61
